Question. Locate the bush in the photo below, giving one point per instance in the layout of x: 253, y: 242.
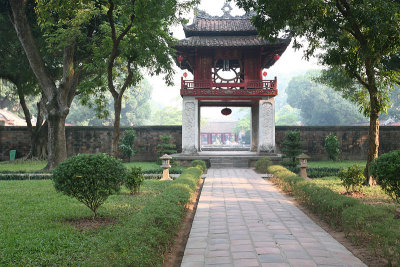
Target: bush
x: 153, y: 229
x: 332, y: 146
x: 134, y: 179
x: 263, y: 164
x: 292, y: 147
x: 322, y: 201
x: 386, y: 170
x: 127, y: 143
x: 361, y: 222
x: 90, y: 178
x: 352, y: 177
x: 199, y: 162
x: 319, y: 172
x: 166, y: 148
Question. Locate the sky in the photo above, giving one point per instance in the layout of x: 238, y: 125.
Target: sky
x: 290, y: 63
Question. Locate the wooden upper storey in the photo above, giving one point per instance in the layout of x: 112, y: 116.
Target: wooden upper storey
x: 226, y: 56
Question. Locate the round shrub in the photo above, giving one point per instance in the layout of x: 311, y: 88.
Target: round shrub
x: 262, y: 165
x: 90, y: 178
x: 386, y: 170
x: 200, y: 163
x: 352, y: 177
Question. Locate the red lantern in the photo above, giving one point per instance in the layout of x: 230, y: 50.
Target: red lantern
x: 264, y: 73
x: 276, y: 57
x: 185, y: 74
x: 180, y: 58
x: 226, y: 111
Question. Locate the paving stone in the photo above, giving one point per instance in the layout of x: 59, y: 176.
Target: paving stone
x: 242, y: 220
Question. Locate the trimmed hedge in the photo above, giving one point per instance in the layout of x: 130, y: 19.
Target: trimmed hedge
x: 152, y: 230
x: 24, y: 176
x: 374, y: 225
x: 317, y: 172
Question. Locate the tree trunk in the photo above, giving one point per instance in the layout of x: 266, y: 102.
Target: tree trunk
x: 117, y: 119
x: 373, y: 137
x: 57, y: 147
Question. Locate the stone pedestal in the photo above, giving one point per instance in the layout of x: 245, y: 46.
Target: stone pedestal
x: 190, y: 125
x: 266, y: 126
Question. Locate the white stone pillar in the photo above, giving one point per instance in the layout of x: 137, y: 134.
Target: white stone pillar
x: 190, y: 125
x: 266, y: 126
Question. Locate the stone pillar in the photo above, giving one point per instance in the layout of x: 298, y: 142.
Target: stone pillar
x: 254, y: 127
x: 190, y: 125
x: 266, y: 126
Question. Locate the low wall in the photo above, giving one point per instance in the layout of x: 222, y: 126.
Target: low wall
x: 87, y: 139
x: 353, y: 140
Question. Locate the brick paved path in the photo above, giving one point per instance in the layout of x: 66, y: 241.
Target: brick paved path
x: 242, y: 220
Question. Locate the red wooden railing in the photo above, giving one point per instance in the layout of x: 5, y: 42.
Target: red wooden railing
x: 246, y: 88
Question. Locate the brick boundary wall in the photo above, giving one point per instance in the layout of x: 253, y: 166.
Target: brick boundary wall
x: 353, y: 140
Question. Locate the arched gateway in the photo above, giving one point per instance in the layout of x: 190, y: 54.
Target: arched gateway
x: 227, y: 58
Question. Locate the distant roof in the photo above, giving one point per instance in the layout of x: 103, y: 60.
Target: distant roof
x: 219, y: 127
x: 11, y: 119
x: 228, y: 41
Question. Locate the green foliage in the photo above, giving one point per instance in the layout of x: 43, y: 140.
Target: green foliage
x: 292, y: 147
x: 90, y: 178
x: 319, y: 104
x: 86, y: 110
x: 42, y: 224
x: 332, y: 146
x: 386, y: 170
x: 322, y: 201
x: 352, y: 178
x: 287, y: 115
x: 25, y: 176
x: 134, y: 179
x: 375, y: 226
x: 127, y: 142
x: 153, y: 229
x: 262, y: 165
x: 168, y: 115
x: 200, y: 163
x: 166, y: 147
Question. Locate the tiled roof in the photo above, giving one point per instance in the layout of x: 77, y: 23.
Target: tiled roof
x: 205, y: 24
x: 227, y: 41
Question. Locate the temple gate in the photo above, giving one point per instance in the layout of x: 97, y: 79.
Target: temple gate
x: 228, y: 60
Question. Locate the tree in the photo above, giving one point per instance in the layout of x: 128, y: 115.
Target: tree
x: 292, y: 147
x: 287, y: 115
x: 135, y: 108
x: 355, y: 37
x: 167, y: 116
x: 18, y: 79
x: 319, y: 104
x: 134, y: 35
x: 68, y: 37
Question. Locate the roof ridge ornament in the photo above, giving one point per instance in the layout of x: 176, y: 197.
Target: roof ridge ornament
x: 227, y: 10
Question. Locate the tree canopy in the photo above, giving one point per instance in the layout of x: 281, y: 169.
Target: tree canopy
x: 355, y: 37
x: 320, y: 104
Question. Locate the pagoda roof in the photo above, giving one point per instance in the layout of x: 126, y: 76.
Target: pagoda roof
x: 228, y: 41
x: 205, y: 24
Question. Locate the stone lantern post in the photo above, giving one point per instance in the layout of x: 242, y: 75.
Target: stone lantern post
x: 303, y: 165
x: 165, y: 165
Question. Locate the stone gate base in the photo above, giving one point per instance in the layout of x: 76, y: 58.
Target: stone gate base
x: 226, y: 159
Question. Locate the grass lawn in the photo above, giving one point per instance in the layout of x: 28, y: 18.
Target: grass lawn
x: 34, y: 231
x: 335, y: 164
x: 26, y: 166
